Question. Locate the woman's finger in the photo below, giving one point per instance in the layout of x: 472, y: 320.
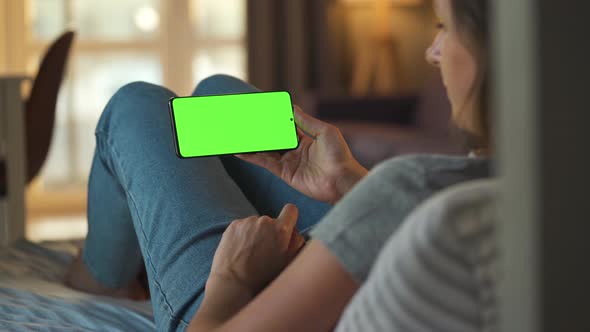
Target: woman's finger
x: 288, y: 217
x: 303, y: 136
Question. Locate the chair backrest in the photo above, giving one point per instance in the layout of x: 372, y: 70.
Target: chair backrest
x: 41, y: 105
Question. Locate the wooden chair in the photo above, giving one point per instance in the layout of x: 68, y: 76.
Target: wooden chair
x: 41, y: 105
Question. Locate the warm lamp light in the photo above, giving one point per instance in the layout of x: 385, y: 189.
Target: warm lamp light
x: 401, y: 3
x: 375, y: 61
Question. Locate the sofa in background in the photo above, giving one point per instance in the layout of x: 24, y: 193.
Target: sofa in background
x: 377, y: 128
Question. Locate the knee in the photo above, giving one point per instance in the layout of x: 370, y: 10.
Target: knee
x: 133, y: 100
x: 139, y: 89
x: 220, y: 83
x: 211, y: 84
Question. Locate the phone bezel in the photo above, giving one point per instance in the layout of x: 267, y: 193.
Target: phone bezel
x: 175, y: 134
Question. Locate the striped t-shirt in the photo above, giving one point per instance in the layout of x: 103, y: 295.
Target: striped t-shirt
x: 437, y: 272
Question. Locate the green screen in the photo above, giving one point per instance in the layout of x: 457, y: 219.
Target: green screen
x: 237, y: 123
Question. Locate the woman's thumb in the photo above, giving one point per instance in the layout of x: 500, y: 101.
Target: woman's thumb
x: 308, y: 124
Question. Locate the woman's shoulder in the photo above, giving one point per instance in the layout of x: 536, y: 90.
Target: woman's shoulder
x: 431, y: 162
x: 432, y: 169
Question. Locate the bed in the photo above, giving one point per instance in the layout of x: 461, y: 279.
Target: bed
x: 12, y: 160
x: 33, y: 297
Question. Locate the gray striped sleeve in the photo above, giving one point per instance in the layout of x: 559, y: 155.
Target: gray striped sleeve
x: 437, y: 272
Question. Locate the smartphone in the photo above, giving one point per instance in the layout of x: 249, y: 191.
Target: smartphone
x: 233, y: 123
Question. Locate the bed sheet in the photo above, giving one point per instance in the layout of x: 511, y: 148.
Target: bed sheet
x: 33, y: 297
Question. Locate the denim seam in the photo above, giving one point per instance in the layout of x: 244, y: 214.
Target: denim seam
x: 106, y: 140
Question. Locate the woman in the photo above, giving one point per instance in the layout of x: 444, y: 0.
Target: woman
x: 143, y: 201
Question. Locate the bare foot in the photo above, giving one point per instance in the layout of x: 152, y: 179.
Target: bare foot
x: 78, y: 277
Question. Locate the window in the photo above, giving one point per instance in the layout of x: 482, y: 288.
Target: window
x: 120, y: 41
x: 175, y: 43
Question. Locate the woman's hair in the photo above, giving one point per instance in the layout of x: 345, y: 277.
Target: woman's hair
x: 471, y: 20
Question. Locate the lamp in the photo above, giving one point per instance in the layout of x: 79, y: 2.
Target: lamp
x: 392, y: 2
x: 376, y: 55
x: 382, y: 8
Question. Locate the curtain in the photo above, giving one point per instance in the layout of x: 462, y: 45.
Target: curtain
x: 293, y: 45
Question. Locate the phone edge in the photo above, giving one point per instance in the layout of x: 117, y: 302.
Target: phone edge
x: 173, y: 125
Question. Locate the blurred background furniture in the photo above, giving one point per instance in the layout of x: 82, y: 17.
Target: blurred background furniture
x: 12, y: 160
x: 380, y: 127
x: 41, y: 105
x: 28, y: 135
x: 422, y: 127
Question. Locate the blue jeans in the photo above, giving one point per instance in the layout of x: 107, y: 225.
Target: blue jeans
x: 147, y: 206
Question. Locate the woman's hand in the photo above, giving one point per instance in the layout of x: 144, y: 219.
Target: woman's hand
x: 308, y: 295
x: 322, y: 167
x: 254, y: 250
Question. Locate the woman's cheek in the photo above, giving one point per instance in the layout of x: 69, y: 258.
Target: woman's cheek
x: 459, y: 69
